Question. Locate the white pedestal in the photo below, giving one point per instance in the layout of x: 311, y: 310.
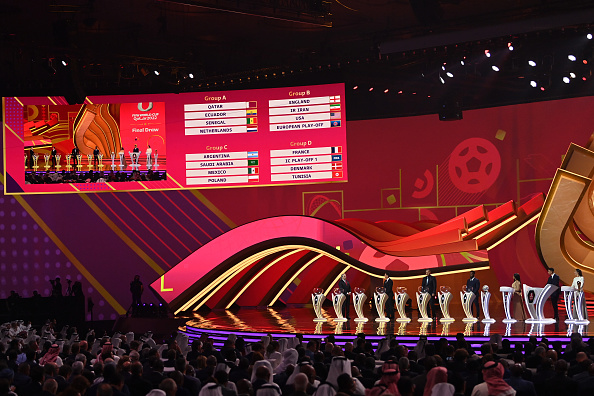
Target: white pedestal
x: 358, y: 301
x: 507, y: 293
x: 467, y: 300
x: 536, y: 307
x: 422, y: 301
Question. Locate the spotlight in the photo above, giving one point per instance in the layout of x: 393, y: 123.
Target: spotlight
x: 572, y: 75
x: 510, y: 46
x: 589, y: 36
x: 191, y: 75
x: 443, y: 68
x: 156, y: 72
x: 495, y: 68
x: 566, y: 80
x: 487, y: 53
x: 462, y: 62
x: 64, y: 63
x: 533, y: 84
x: 449, y: 74
x: 571, y: 57
x: 386, y: 90
x: 441, y: 79
x: 542, y: 88
x: 532, y: 63
x: 370, y: 89
x: 356, y: 87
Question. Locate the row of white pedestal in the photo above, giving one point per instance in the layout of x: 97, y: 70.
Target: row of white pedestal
x: 535, y: 299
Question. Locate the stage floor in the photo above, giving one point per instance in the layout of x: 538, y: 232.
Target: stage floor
x: 282, y: 321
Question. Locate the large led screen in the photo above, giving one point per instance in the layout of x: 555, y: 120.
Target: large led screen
x: 176, y: 141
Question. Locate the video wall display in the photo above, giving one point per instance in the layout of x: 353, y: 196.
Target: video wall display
x: 176, y: 141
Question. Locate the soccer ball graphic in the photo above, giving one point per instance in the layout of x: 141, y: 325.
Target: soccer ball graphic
x: 474, y: 165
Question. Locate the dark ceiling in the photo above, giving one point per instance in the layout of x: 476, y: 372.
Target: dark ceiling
x: 112, y: 47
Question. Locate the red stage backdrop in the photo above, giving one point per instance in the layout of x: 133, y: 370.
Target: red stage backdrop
x: 406, y: 169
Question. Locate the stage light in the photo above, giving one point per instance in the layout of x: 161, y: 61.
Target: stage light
x: 533, y: 84
x: 370, y: 89
x: 589, y: 36
x: 532, y: 63
x: 443, y: 68
x: 64, y: 63
x: 542, y: 88
x: 156, y: 72
x: 572, y: 75
x: 400, y: 92
x: 441, y: 80
x: 386, y: 90
x: 585, y: 61
x: 191, y: 75
x: 566, y: 80
x: 356, y: 87
x: 487, y: 53
x: 584, y: 78
x: 510, y: 46
x: 495, y: 68
x: 462, y: 62
x: 571, y: 57
x: 449, y: 74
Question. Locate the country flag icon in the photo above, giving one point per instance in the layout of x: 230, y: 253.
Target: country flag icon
x: 336, y: 165
x: 337, y: 174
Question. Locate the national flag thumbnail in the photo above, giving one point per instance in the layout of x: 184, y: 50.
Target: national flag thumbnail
x: 252, y: 104
x: 252, y: 121
x: 336, y: 165
x: 253, y: 171
x: 251, y: 112
x: 337, y: 149
x: 336, y: 174
x: 336, y: 158
x: 252, y: 129
x: 335, y: 123
x: 334, y: 116
x: 253, y: 178
x: 335, y: 99
x: 252, y: 162
x: 334, y: 107
x: 252, y: 154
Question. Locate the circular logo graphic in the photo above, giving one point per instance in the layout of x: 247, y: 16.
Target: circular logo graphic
x: 474, y: 165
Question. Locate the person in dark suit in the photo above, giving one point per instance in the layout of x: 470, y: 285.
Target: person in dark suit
x: 96, y: 157
x: 53, y: 154
x: 388, y: 286
x: 554, y: 280
x: 430, y: 286
x: 474, y: 285
x: 74, y: 154
x: 345, y: 288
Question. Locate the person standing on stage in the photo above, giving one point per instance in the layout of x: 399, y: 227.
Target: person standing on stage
x: 136, y: 288
x: 474, y: 285
x: 345, y: 288
x: 578, y: 285
x: 388, y: 287
x: 53, y: 154
x: 429, y: 285
x: 74, y: 155
x: 149, y: 152
x: 96, y: 157
x: 554, y: 280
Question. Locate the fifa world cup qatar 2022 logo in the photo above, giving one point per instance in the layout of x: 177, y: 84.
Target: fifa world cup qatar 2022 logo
x: 474, y: 165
